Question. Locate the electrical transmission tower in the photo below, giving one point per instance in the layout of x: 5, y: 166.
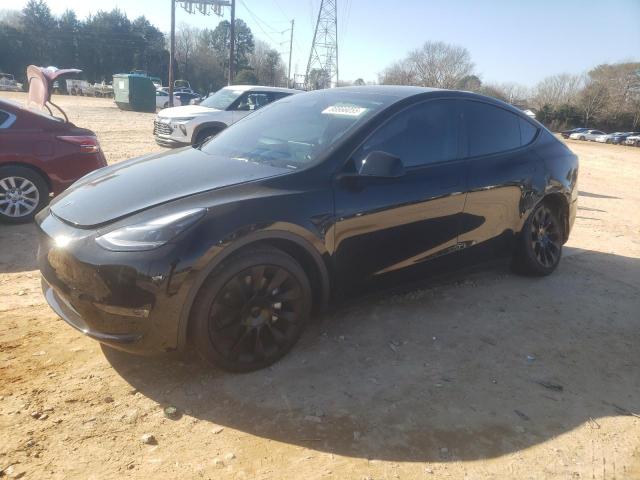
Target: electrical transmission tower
x: 322, y: 69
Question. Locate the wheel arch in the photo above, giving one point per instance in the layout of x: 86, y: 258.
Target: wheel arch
x: 207, y: 126
x: 298, y: 247
x: 32, y: 167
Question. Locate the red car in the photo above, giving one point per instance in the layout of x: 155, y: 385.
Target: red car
x: 40, y: 155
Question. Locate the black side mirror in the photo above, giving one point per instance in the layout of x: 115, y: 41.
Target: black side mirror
x: 381, y: 164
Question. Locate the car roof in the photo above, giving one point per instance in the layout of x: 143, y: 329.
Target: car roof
x: 399, y: 91
x: 396, y: 93
x: 247, y: 88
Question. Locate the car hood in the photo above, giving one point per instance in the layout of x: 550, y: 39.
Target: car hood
x: 186, y: 111
x: 117, y: 191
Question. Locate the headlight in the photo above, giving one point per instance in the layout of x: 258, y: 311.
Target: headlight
x: 151, y: 234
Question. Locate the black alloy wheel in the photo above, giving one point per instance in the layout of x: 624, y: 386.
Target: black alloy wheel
x: 545, y: 237
x: 252, y: 310
x: 540, y: 246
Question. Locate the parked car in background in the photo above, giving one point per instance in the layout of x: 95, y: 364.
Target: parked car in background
x: 193, y: 124
x: 8, y: 83
x: 589, y: 135
x: 199, y: 100
x: 616, y: 138
x: 186, y: 96
x: 633, y: 140
x: 228, y: 247
x: 567, y: 133
x: 162, y: 99
x: 40, y: 155
x: 606, y: 138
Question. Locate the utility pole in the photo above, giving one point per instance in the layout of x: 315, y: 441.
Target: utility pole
x: 290, y: 52
x: 232, y: 43
x: 172, y: 49
x: 323, y: 58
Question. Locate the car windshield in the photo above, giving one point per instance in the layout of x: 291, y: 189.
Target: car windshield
x: 294, y: 132
x: 222, y: 98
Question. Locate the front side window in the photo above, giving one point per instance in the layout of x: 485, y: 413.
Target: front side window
x: 254, y: 100
x: 420, y: 135
x: 490, y: 129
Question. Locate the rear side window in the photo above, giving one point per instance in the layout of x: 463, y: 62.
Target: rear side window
x: 490, y: 129
x: 3, y: 117
x: 422, y: 134
x: 527, y: 132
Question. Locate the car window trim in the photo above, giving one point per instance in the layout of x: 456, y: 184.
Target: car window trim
x: 454, y: 99
x: 501, y: 152
x: 10, y: 120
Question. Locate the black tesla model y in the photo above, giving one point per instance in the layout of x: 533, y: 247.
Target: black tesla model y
x: 230, y: 246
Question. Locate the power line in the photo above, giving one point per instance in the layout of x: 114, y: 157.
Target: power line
x: 263, y: 26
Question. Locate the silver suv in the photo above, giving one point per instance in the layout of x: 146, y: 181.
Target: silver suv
x: 193, y: 124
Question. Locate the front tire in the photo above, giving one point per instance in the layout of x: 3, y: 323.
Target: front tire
x: 251, y: 310
x: 205, y: 135
x: 540, y: 243
x: 582, y: 138
x: 23, y: 193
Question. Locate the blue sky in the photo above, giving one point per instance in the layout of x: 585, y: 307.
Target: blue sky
x: 509, y: 40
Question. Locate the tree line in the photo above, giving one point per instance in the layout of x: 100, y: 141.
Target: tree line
x: 109, y: 42
x: 607, y: 97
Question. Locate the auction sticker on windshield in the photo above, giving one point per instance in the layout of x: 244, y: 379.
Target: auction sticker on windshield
x: 345, y: 109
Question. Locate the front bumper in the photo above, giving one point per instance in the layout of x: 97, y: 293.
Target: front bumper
x: 168, y: 135
x: 117, y: 298
x: 69, y: 314
x: 170, y: 142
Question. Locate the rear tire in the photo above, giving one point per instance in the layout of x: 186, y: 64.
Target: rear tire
x: 539, y: 246
x: 23, y: 193
x: 251, y: 310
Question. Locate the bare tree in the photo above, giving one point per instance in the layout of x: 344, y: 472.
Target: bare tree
x: 435, y: 64
x: 592, y: 99
x: 186, y: 40
x: 515, y: 93
x: 397, y: 73
x: 558, y: 90
x: 267, y: 65
x: 622, y: 82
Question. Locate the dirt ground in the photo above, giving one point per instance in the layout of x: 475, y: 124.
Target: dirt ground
x: 481, y: 375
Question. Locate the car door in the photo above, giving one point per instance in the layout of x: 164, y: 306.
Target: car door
x: 249, y: 102
x: 388, y: 224
x: 501, y: 171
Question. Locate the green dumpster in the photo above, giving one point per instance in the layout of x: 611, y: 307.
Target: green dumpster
x: 134, y: 92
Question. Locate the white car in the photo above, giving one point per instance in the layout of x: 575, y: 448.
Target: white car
x: 162, y: 99
x: 193, y: 124
x: 607, y: 138
x: 590, y: 135
x: 633, y: 140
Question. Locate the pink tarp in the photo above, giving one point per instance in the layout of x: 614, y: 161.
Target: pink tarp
x: 40, y: 82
